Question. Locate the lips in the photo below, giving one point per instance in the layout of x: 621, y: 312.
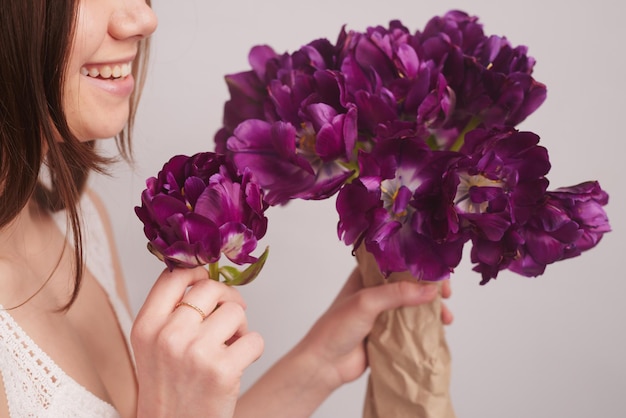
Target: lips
x: 115, y: 79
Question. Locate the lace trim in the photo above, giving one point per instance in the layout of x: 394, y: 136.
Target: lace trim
x: 18, y: 360
x: 35, y: 386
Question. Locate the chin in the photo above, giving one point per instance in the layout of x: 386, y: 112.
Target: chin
x: 110, y: 130
x: 99, y: 122
x: 87, y: 136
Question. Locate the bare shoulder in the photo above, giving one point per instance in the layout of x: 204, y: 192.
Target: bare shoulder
x: 108, y: 227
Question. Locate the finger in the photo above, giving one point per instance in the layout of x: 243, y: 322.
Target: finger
x: 246, y: 349
x: 376, y: 299
x: 202, y: 298
x: 227, y: 321
x: 446, y: 289
x: 446, y: 314
x: 170, y: 288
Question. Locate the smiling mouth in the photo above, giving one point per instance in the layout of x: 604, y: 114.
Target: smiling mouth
x: 107, y: 72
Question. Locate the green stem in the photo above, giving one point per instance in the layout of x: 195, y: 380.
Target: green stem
x: 473, y: 123
x: 214, y: 271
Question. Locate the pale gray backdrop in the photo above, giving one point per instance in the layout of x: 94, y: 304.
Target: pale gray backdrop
x: 544, y: 348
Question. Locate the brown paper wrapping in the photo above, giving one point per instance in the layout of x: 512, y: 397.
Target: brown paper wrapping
x: 408, y: 356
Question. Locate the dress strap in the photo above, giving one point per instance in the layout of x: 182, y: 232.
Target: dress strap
x: 99, y: 260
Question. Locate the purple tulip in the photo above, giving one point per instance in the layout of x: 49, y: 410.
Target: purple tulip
x: 499, y: 183
x: 289, y: 163
x: 503, y: 171
x: 396, y: 208
x: 388, y: 81
x: 198, y: 208
x: 570, y: 221
x: 513, y: 222
x: 286, y: 122
x: 491, y: 80
x: 584, y: 205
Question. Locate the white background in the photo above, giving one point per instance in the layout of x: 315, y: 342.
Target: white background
x: 547, y: 347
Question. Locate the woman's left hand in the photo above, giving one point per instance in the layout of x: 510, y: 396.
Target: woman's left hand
x: 337, y: 338
x: 333, y: 351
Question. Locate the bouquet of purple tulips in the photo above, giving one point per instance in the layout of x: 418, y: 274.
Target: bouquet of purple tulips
x: 414, y: 132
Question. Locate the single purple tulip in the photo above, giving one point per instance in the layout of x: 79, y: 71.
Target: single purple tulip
x: 570, y: 221
x: 198, y: 208
x: 289, y: 163
x: 491, y: 80
x: 395, y: 209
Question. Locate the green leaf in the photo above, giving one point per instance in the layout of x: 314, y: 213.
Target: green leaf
x: 234, y: 277
x: 229, y: 273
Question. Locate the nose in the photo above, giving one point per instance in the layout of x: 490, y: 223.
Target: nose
x: 132, y: 19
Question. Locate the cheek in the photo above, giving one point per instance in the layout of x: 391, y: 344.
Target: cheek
x: 92, y: 111
x: 71, y: 103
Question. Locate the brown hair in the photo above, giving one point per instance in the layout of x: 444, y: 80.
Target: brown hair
x: 35, y: 44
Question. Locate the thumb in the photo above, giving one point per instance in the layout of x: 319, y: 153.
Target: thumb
x: 377, y: 299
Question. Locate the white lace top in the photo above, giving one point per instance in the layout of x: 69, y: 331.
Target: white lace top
x: 35, y: 386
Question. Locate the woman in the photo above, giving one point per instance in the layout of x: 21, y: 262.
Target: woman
x: 69, y: 70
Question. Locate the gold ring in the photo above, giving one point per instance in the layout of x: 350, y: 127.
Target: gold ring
x: 192, y: 306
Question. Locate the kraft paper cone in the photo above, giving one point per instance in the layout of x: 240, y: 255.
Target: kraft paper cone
x: 408, y: 356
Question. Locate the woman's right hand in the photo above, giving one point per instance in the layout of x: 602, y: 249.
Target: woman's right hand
x: 187, y: 365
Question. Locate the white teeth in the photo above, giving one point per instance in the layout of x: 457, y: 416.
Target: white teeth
x: 107, y: 71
